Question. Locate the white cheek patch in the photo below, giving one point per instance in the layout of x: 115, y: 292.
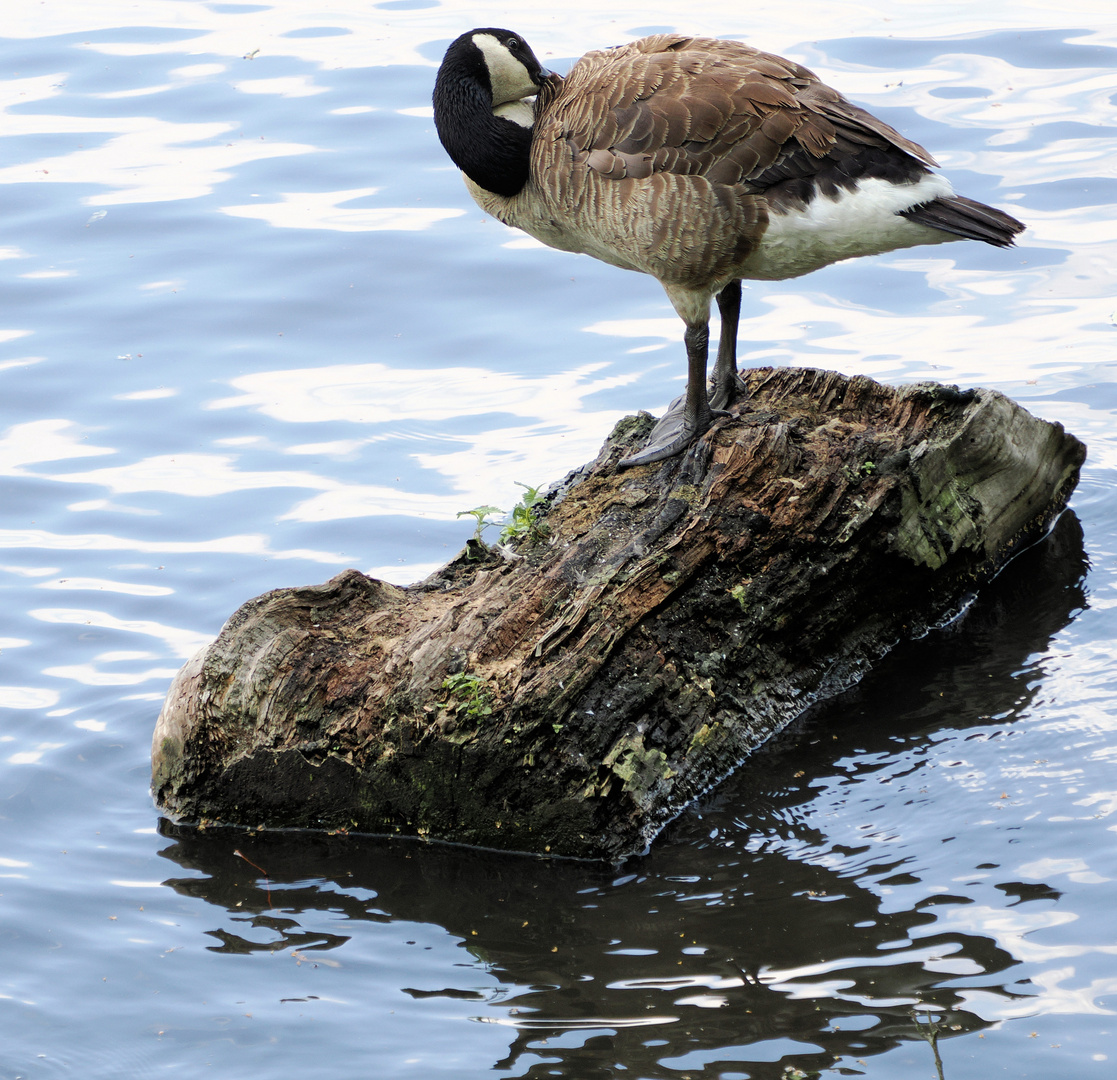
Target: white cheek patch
x: 509, y: 77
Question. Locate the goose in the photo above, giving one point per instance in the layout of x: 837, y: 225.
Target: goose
x: 699, y: 161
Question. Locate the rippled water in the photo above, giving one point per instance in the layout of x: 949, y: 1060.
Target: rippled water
x: 253, y: 331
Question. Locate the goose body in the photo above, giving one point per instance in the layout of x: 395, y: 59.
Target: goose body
x: 697, y: 161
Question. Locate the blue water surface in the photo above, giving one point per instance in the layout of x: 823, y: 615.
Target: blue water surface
x: 253, y: 331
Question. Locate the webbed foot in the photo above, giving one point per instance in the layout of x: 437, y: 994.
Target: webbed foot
x: 672, y: 434
x: 726, y: 392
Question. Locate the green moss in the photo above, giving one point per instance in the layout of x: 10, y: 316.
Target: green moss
x: 936, y: 520
x: 636, y: 424
x: 638, y: 768
x: 704, y: 736
x: 166, y: 766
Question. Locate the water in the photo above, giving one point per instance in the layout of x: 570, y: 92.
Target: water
x: 253, y: 331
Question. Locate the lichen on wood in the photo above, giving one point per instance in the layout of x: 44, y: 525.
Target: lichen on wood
x: 668, y: 620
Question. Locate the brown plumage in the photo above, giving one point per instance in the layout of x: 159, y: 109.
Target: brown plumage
x: 695, y: 160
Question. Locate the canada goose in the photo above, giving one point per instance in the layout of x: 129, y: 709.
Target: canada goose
x: 695, y: 160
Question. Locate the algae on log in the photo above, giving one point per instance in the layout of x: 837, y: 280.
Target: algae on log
x: 671, y: 619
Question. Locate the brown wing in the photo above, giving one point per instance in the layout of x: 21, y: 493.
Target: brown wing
x: 722, y: 110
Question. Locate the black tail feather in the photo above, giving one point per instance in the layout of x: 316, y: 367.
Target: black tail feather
x: 967, y: 218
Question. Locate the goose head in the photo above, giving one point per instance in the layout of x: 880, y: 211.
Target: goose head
x: 479, y: 108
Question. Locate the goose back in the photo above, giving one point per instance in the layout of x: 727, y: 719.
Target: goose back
x: 676, y: 155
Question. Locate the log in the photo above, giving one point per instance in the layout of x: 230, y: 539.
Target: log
x: 656, y: 625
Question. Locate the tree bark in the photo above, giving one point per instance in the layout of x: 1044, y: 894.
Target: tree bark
x: 673, y: 617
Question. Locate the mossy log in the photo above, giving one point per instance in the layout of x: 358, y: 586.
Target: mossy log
x: 659, y: 624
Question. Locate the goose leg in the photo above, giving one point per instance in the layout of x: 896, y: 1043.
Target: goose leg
x: 727, y: 384
x: 688, y: 418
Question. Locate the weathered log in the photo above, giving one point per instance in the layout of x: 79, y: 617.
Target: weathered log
x: 671, y: 618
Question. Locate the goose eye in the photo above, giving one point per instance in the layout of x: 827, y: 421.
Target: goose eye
x: 513, y: 43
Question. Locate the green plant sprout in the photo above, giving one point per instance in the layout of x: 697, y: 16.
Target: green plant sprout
x: 523, y: 521
x: 468, y: 695
x: 481, y: 515
x: 520, y: 523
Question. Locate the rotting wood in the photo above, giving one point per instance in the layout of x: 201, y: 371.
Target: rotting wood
x: 673, y: 618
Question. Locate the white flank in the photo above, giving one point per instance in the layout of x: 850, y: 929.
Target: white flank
x: 864, y: 221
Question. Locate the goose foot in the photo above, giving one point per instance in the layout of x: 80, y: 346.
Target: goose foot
x: 726, y: 392
x: 673, y: 433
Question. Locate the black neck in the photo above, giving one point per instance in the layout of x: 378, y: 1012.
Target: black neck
x: 492, y: 151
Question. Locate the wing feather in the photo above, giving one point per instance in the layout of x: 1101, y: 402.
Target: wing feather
x: 702, y: 106
x: 643, y: 142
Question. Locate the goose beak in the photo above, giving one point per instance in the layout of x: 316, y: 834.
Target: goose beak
x: 543, y: 77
